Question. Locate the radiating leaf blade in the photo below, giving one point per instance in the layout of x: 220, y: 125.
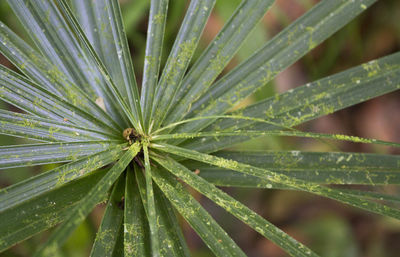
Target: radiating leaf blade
x: 119, y: 244
x: 151, y: 208
x: 204, y: 225
x: 237, y: 209
x: 46, y: 211
x: 79, y: 213
x: 37, y: 67
x: 130, y: 115
x: 37, y: 185
x: 280, y: 52
x: 47, y: 130
x: 34, y: 99
x: 38, y: 154
x: 107, y: 235
x: 311, y: 101
x: 173, y: 243
x: 102, y: 21
x: 179, y: 57
x: 57, y: 41
x: 155, y: 36
x: 316, y: 167
x: 269, y: 175
x: 136, y: 226
x: 218, y: 54
x: 373, y: 195
x: 289, y: 133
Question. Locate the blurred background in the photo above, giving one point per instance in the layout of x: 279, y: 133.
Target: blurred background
x: 329, y: 228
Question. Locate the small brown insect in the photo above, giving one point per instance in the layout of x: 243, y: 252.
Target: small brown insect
x: 130, y: 134
x: 197, y: 171
x: 65, y: 119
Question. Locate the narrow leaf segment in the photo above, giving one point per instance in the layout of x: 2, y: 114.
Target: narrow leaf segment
x: 79, y: 213
x: 198, y: 218
x: 237, y: 209
x: 335, y: 194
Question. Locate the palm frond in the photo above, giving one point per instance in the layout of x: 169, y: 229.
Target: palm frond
x: 287, y: 47
x: 77, y: 98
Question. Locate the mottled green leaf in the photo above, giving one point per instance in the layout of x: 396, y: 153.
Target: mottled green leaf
x: 37, y: 154
x: 107, y: 235
x: 279, y: 178
x: 237, y: 209
x: 43, y: 212
x: 47, y: 130
x: 284, y: 49
x: 36, y: 67
x: 218, y: 54
x: 79, y: 213
x: 102, y: 21
x: 310, y: 101
x: 136, y: 226
x: 46, y: 23
x: 151, y: 208
x: 321, y: 168
x: 39, y: 184
x: 172, y: 241
x: 373, y: 195
x: 169, y: 233
x: 129, y: 113
x: 198, y: 218
x: 119, y: 245
x: 289, y: 133
x: 155, y: 37
x: 179, y: 57
x: 34, y: 99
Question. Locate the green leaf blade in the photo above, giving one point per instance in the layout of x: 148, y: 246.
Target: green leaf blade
x: 39, y: 154
x: 107, y: 235
x: 310, y: 101
x: 102, y: 21
x: 37, y: 67
x: 46, y: 130
x: 290, y: 133
x: 37, y: 185
x: 334, y: 194
x: 79, y: 213
x: 179, y: 58
x: 136, y: 226
x: 44, y: 212
x: 299, y: 38
x: 204, y: 225
x: 34, y: 99
x: 217, y: 55
x: 168, y: 230
x: 173, y: 242
x: 56, y: 39
x: 151, y: 208
x: 155, y: 37
x: 321, y: 168
x: 237, y: 209
x: 128, y: 114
